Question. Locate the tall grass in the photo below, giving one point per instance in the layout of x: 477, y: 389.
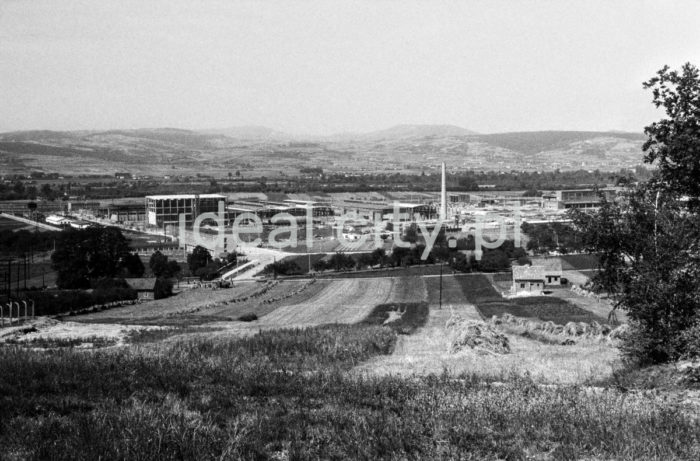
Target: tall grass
x: 286, y: 395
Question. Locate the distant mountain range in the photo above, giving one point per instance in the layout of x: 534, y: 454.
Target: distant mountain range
x: 399, y: 148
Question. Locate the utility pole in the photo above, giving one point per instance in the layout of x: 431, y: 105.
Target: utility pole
x: 18, y: 277
x: 441, y: 263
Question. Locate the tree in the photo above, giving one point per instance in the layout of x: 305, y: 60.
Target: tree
x: 340, y: 261
x: 87, y: 254
x: 208, y: 272
x: 163, y: 288
x: 649, y: 240
x: 199, y: 257
x: 319, y: 266
x: 158, y: 263
x: 133, y: 265
x: 674, y: 142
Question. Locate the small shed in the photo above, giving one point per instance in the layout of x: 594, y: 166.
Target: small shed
x: 143, y: 286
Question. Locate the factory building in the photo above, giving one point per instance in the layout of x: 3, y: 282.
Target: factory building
x: 265, y: 210
x: 165, y: 210
x: 378, y: 212
x: 576, y: 198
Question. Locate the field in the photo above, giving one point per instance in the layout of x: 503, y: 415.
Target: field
x: 288, y: 395
x: 579, y: 262
x: 11, y: 224
x: 344, y: 301
x: 201, y: 305
x: 336, y: 368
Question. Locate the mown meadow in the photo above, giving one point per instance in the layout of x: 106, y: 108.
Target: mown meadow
x: 289, y: 395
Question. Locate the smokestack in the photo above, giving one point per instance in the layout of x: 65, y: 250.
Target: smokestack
x: 443, y: 196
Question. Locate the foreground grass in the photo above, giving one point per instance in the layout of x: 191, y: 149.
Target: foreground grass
x: 286, y: 395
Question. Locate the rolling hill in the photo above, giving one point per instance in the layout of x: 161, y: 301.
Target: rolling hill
x: 406, y: 148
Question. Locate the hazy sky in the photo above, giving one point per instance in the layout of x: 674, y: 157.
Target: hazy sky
x: 331, y: 66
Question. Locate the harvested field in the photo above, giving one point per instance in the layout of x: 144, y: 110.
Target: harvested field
x: 343, y: 301
x: 197, y: 302
x: 405, y: 318
x: 281, y: 293
x: 544, y: 308
x: 11, y: 224
x: 44, y: 332
x: 600, y: 307
x: 410, y: 271
x: 409, y: 290
x: 579, y: 262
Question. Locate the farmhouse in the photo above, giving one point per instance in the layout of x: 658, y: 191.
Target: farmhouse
x: 552, y: 271
x: 143, y: 286
x: 528, y: 279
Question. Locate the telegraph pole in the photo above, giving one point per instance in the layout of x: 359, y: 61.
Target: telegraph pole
x: 441, y: 263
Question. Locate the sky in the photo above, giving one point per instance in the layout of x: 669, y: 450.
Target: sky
x: 323, y: 67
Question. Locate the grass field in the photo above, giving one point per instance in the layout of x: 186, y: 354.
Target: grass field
x: 579, y: 262
x: 288, y: 395
x: 10, y: 224
x: 478, y: 290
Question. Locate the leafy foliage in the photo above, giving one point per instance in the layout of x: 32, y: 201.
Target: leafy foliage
x: 674, y: 142
x: 649, y: 240
x: 163, y: 288
x: 87, y: 254
x: 199, y: 258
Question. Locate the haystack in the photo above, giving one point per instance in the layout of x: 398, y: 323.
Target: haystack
x: 476, y: 335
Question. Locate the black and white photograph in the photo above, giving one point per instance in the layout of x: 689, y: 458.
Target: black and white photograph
x: 349, y: 230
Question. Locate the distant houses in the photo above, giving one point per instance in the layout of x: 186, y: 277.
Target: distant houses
x: 535, y: 278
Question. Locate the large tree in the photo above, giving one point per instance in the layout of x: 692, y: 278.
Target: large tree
x: 200, y: 257
x: 649, y: 239
x: 85, y: 255
x: 674, y: 142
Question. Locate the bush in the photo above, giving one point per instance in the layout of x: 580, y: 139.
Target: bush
x: 163, y: 288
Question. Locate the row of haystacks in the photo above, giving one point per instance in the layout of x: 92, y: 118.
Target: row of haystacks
x: 288, y: 294
x: 479, y: 336
x: 256, y: 294
x: 490, y: 336
x: 592, y: 330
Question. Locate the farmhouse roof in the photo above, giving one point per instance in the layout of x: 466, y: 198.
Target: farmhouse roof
x: 528, y: 273
x: 141, y: 284
x: 551, y: 266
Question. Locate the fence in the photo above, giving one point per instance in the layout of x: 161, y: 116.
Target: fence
x: 7, y: 310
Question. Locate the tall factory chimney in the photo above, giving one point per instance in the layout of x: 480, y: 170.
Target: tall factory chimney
x: 443, y: 196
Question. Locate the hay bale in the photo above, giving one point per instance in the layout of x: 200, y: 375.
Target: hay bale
x: 573, y: 329
x: 477, y: 335
x: 619, y: 332
x: 509, y: 318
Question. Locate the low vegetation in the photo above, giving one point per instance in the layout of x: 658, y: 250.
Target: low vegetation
x: 404, y: 318
x: 286, y: 395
